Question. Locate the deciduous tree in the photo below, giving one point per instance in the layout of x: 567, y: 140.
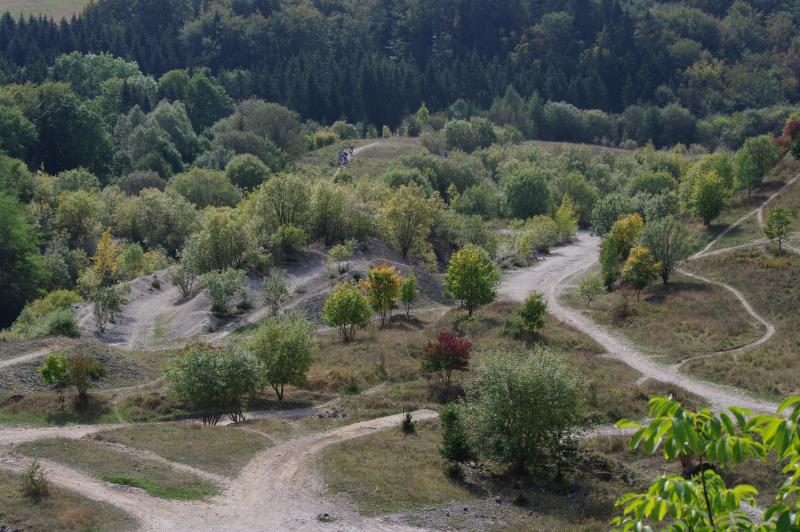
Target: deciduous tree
x: 383, y: 289
x: 284, y: 347
x: 472, y: 277
x: 346, y: 308
x: 668, y: 240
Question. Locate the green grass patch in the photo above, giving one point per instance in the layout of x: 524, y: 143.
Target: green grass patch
x: 157, y: 490
x: 390, y: 472
x: 102, y: 462
x: 61, y: 510
x: 220, y: 450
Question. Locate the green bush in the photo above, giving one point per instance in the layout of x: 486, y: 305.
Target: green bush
x: 221, y: 286
x: 523, y: 408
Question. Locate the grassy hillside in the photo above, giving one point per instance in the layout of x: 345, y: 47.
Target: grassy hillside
x: 56, y: 9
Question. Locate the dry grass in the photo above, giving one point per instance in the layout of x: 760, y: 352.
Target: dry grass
x: 390, y: 472
x: 56, y: 9
x: 42, y: 408
x: 771, y: 285
x: 376, y: 355
x: 13, y: 348
x: 371, y: 162
x: 157, y: 479
x: 220, y: 450
x: 677, y: 321
x: 62, y: 510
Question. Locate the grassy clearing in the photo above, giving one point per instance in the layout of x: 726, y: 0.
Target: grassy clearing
x: 42, y: 409
x: 56, y: 9
x: 371, y: 162
x: 219, y: 450
x: 676, y: 321
x: 116, y: 467
x: 771, y: 285
x: 62, y: 510
x: 391, y: 472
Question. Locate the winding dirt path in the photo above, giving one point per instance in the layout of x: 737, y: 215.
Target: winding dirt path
x: 278, y: 490
x: 549, y: 277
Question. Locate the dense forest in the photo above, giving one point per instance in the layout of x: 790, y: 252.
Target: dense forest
x: 141, y: 126
x: 377, y: 60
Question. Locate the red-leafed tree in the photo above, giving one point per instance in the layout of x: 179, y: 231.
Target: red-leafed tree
x: 447, y: 354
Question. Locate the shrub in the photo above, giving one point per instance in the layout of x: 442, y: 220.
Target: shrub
x: 460, y: 135
x: 408, y: 424
x: 284, y: 347
x: 289, y: 239
x: 641, y: 269
x: 344, y: 130
x: 526, y: 193
x: 566, y: 220
x: 214, y: 380
x: 346, y: 308
x: 617, y: 245
x: 341, y: 254
x: 589, y: 287
x: 60, y: 322
x: 34, y: 483
x: 522, y: 410
x: 246, y: 171
x: 408, y: 292
x: 82, y: 371
x: 532, y: 312
x: 106, y: 303
x: 324, y: 137
x: 383, y: 289
x: 275, y: 291
x: 455, y: 448
x: 668, y: 240
x: 206, y: 188
x: 539, y: 234
x: 472, y: 277
x: 433, y: 141
x: 54, y: 374
x: 135, y: 182
x: 221, y: 286
x: 776, y: 227
x: 709, y: 196
x: 446, y: 355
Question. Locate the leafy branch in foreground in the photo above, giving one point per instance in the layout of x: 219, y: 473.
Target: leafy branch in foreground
x: 706, y: 443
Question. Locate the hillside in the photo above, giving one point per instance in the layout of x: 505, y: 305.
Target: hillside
x: 375, y: 61
x: 398, y: 265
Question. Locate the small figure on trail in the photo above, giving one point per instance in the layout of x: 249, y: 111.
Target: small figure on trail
x: 352, y: 150
x: 446, y: 154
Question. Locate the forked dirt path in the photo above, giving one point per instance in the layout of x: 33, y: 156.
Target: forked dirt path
x: 278, y: 490
x: 549, y: 276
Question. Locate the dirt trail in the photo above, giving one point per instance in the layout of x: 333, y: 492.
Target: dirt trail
x: 549, y: 276
x: 28, y: 357
x: 278, y: 490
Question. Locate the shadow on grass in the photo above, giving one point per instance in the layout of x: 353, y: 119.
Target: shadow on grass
x: 658, y: 294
